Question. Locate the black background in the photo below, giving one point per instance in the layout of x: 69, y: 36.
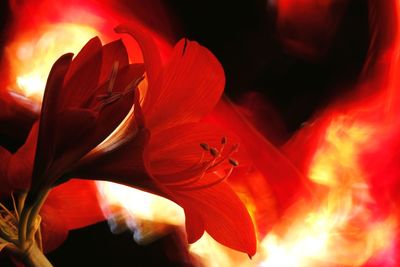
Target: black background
x: 243, y: 37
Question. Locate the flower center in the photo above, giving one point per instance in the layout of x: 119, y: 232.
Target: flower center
x: 111, y: 96
x: 218, y: 157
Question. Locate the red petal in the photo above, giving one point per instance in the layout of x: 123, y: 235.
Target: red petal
x: 188, y: 87
x: 194, y: 226
x: 73, y: 124
x: 77, y: 201
x: 21, y: 163
x: 69, y: 206
x: 123, y: 164
x: 151, y: 54
x: 222, y: 213
x: 53, y: 227
x: 113, y: 52
x: 83, y: 75
x: 48, y: 117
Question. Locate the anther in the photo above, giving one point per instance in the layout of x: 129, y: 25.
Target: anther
x: 214, y: 152
x: 205, y: 146
x: 233, y: 162
x: 223, y: 140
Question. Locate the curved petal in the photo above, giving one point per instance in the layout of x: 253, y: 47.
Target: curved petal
x: 187, y: 88
x: 222, y: 213
x: 82, y: 77
x: 68, y: 206
x: 151, y: 54
x: 194, y: 226
x: 77, y: 201
x: 21, y: 163
x: 48, y: 117
x: 53, y: 228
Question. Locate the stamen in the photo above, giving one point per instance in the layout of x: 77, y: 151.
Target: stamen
x: 214, y: 152
x: 233, y: 150
x: 205, y: 146
x: 113, y: 77
x: 233, y: 162
x: 209, y: 167
x: 218, y: 181
x: 133, y: 85
x: 8, y: 223
x: 15, y: 206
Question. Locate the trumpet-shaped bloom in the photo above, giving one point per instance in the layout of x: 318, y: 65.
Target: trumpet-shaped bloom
x: 85, y: 100
x: 168, y: 152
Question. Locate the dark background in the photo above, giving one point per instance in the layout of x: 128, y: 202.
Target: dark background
x: 242, y: 34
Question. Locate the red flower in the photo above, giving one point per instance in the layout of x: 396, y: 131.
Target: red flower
x: 85, y: 100
x: 168, y: 152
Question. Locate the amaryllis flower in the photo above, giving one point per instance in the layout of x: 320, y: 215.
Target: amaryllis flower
x: 85, y: 100
x: 165, y: 150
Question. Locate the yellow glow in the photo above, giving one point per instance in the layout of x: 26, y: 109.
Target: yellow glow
x: 340, y: 229
x: 139, y: 204
x: 32, y: 56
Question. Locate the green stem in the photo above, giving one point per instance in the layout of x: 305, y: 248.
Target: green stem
x: 22, y: 227
x: 27, y: 220
x: 21, y: 203
x: 34, y: 257
x: 35, y: 212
